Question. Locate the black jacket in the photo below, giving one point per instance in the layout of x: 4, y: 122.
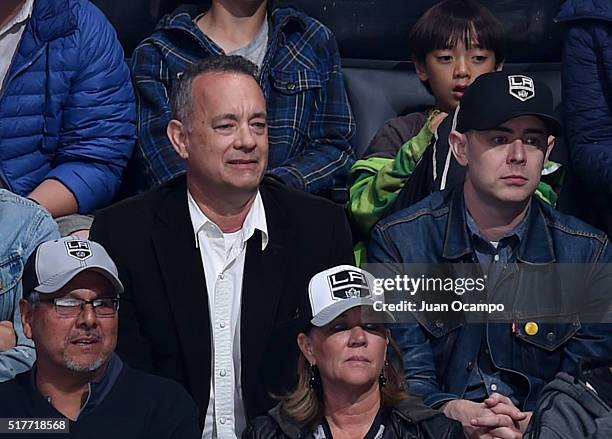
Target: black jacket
x: 164, y: 324
x: 409, y: 420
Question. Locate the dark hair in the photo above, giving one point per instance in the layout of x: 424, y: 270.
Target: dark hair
x: 33, y: 298
x: 180, y: 99
x: 445, y: 24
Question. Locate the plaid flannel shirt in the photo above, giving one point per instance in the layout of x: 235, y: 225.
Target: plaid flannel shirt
x: 310, y: 122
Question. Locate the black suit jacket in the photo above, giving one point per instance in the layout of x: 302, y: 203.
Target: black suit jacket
x: 164, y: 325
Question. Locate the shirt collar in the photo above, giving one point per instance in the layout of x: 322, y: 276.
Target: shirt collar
x: 517, y: 232
x: 24, y: 13
x: 255, y: 220
x: 535, y: 246
x: 98, y: 390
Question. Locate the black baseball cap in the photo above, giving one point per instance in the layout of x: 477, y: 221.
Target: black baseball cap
x: 493, y: 98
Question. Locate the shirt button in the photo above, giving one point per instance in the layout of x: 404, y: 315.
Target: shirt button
x: 291, y: 86
x: 222, y: 324
x: 496, y: 258
x: 222, y: 372
x: 439, y: 324
x: 222, y: 420
x: 551, y: 336
x: 470, y: 365
x: 494, y: 387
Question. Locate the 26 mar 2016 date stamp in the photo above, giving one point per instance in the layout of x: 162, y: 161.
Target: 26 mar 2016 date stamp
x: 34, y: 425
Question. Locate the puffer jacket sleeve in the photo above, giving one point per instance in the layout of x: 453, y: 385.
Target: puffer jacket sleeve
x: 587, y: 88
x: 99, y: 116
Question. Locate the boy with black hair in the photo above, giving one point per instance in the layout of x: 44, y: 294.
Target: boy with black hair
x: 489, y: 373
x: 453, y: 43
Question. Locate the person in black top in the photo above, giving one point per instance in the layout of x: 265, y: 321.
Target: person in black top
x: 346, y: 387
x: 70, y: 311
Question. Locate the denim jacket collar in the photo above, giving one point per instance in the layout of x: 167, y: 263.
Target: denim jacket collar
x: 535, y: 248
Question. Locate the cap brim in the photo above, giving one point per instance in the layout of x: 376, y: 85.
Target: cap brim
x: 59, y: 281
x: 328, y: 314
x: 552, y: 124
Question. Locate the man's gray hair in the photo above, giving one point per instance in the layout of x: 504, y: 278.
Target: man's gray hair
x: 33, y: 298
x: 181, y: 91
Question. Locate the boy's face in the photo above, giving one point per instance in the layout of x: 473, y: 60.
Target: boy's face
x: 450, y: 71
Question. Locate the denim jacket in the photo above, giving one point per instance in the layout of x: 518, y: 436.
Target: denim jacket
x: 439, y: 356
x: 310, y: 122
x: 23, y: 225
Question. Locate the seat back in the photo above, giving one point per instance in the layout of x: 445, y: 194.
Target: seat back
x: 379, y: 91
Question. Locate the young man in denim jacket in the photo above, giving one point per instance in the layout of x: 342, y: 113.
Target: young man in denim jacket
x: 309, y: 117
x: 23, y: 225
x: 482, y: 373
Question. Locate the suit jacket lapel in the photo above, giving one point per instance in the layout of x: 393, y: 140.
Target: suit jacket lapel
x: 185, y: 285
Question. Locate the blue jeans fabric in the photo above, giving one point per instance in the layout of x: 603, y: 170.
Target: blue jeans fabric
x: 23, y: 225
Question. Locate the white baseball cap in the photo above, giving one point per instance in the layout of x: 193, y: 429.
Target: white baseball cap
x: 338, y: 289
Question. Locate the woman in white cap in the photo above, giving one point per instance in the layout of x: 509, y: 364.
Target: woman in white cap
x: 349, y: 385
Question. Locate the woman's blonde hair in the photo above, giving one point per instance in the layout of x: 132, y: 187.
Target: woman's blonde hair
x: 305, y: 404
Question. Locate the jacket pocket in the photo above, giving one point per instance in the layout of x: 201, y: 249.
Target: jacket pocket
x: 547, y: 336
x: 10, y: 272
x: 10, y: 275
x: 436, y: 327
x: 291, y: 83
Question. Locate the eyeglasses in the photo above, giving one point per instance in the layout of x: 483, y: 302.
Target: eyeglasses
x: 71, y: 307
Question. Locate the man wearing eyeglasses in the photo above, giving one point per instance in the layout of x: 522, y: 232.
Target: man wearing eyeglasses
x: 70, y: 311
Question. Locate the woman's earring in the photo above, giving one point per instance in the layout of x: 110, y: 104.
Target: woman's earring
x: 313, y: 375
x: 382, y: 378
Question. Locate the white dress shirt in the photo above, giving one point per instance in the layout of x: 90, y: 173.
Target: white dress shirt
x: 10, y: 36
x: 223, y: 257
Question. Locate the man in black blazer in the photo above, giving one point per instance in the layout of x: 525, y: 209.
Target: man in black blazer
x: 165, y: 257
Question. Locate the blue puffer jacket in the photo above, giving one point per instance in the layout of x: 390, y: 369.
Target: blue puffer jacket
x: 587, y: 90
x: 67, y: 108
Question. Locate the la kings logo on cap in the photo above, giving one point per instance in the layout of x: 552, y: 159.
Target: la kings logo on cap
x: 521, y: 87
x: 347, y: 284
x: 78, y: 249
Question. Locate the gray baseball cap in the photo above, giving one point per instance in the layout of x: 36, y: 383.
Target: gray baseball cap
x: 338, y: 289
x: 55, y: 263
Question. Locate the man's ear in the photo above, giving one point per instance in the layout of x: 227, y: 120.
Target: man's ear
x: 458, y: 143
x: 26, y: 317
x: 551, y: 145
x: 421, y: 70
x: 177, y: 133
x: 305, y: 345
